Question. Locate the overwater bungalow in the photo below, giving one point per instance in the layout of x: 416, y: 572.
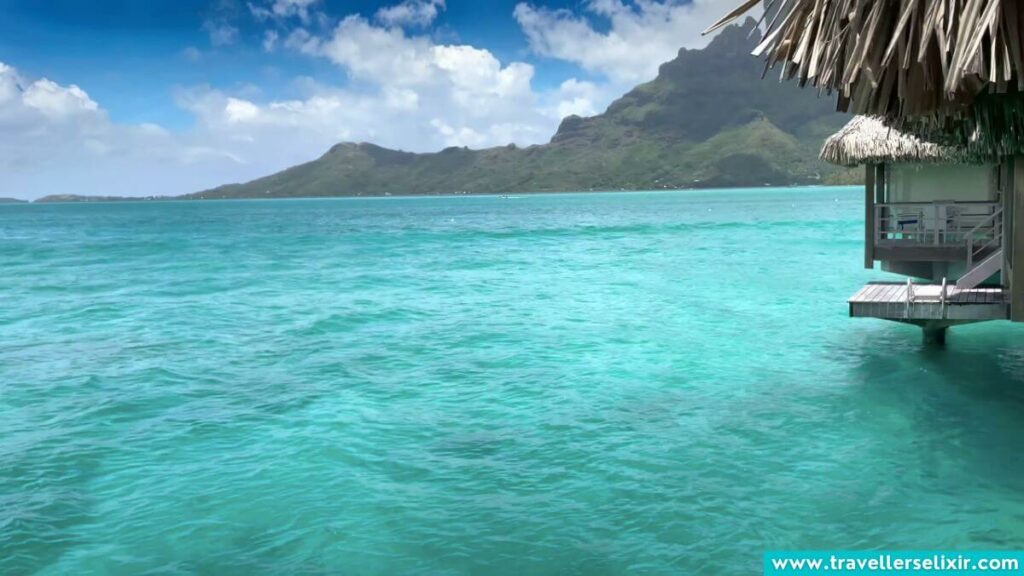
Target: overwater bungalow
x: 938, y: 87
x: 936, y: 214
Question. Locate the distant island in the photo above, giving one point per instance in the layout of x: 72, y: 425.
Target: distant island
x: 699, y: 124
x: 80, y: 198
x: 11, y: 201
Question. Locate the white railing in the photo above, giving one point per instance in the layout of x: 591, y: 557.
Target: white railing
x: 939, y: 224
x: 985, y: 237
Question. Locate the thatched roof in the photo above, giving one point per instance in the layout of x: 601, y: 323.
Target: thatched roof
x: 869, y: 140
x: 951, y: 65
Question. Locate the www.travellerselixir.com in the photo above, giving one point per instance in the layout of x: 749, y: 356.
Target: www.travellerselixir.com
x: 930, y: 562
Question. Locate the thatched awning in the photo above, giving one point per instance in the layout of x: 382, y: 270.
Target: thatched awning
x: 868, y: 140
x: 950, y: 65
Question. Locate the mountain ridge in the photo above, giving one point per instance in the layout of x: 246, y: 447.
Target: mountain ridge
x: 705, y: 121
x: 701, y: 123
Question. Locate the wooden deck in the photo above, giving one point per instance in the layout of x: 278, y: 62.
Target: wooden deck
x: 889, y: 300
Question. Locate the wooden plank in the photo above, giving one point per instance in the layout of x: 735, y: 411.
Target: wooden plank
x: 870, y: 292
x: 879, y: 294
x: 876, y: 289
x: 898, y: 294
x: 888, y: 310
x: 950, y: 292
x: 884, y: 295
x: 861, y: 294
x: 892, y: 294
x: 888, y: 300
x: 875, y: 295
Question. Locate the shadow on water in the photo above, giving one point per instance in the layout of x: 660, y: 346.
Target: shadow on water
x: 984, y: 363
x: 39, y: 529
x: 964, y: 400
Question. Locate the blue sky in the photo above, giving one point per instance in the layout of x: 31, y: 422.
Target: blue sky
x: 142, y: 97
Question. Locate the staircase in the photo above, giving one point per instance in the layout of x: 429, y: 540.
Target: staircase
x: 983, y: 241
x: 983, y: 271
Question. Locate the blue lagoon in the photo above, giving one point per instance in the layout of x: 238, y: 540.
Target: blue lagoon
x: 662, y: 383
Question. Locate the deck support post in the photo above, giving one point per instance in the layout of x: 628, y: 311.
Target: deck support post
x: 869, y: 216
x: 934, y: 334
x: 1016, y: 243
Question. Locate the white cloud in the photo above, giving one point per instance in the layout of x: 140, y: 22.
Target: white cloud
x: 411, y: 13
x: 386, y: 57
x: 55, y: 139
x: 401, y: 99
x: 260, y: 12
x: 237, y: 110
x: 405, y: 91
x: 469, y: 96
x: 283, y: 9
x: 638, y: 36
x: 578, y: 98
x: 377, y: 54
x: 268, y: 136
x: 221, y: 32
x: 301, y: 40
x: 43, y: 104
x: 8, y: 84
x: 58, y: 102
x: 270, y: 38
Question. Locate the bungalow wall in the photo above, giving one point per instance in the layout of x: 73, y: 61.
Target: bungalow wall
x: 927, y: 183
x: 942, y: 182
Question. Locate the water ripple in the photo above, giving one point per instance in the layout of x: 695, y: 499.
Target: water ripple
x: 571, y: 384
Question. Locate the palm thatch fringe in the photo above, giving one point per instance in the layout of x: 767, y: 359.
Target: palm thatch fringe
x: 950, y: 65
x: 868, y: 140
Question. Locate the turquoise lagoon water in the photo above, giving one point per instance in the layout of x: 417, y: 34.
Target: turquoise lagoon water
x: 658, y: 383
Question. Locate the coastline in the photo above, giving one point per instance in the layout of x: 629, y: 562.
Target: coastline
x: 81, y: 199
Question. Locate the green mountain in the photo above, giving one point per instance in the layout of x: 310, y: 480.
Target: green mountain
x: 705, y: 121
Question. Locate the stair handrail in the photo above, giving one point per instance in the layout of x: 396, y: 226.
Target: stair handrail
x: 942, y: 300
x: 997, y: 234
x: 910, y: 297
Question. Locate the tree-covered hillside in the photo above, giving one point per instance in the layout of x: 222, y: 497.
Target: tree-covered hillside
x: 705, y: 121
